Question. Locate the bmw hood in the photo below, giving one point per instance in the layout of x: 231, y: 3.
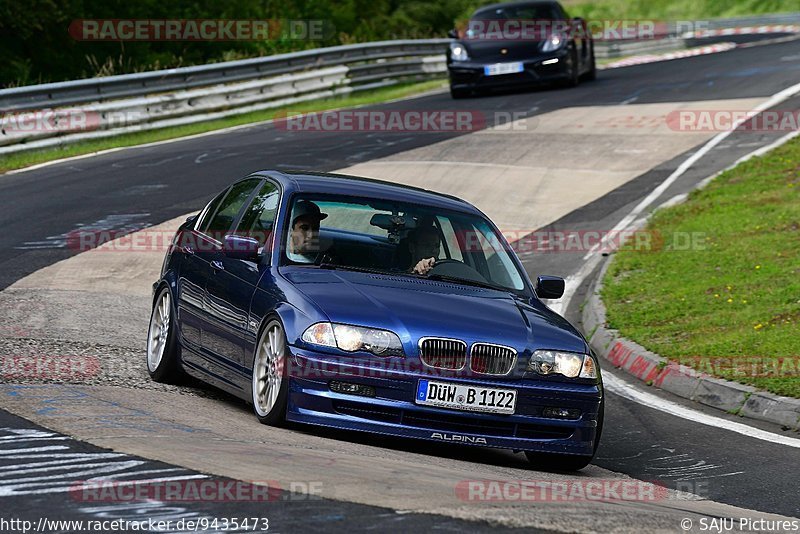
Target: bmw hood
x: 415, y: 308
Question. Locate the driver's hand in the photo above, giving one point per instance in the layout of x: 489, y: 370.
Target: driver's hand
x: 424, y: 266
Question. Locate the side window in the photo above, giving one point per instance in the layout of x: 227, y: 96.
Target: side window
x: 209, y: 211
x: 259, y: 217
x: 229, y: 208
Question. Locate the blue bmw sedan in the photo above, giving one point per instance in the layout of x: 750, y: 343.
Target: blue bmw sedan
x: 365, y: 305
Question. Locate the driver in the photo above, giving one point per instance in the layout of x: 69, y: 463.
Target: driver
x: 424, y: 244
x: 304, y: 244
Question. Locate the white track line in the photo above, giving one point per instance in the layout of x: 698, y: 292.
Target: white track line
x: 592, y: 259
x: 630, y: 392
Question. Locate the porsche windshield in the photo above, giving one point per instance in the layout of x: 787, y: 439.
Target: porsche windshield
x: 397, y: 238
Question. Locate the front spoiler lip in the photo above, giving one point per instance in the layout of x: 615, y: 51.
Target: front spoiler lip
x: 346, y: 422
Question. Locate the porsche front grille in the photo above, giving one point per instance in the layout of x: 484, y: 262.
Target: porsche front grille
x: 489, y: 359
x: 443, y: 353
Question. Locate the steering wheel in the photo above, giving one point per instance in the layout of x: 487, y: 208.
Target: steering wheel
x: 456, y: 269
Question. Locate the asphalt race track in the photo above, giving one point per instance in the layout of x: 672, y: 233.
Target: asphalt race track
x: 368, y: 482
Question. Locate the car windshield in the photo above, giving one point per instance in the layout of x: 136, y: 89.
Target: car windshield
x: 394, y: 237
x: 494, y: 22
x: 518, y: 12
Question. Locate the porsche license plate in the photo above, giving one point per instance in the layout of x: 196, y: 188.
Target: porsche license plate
x: 502, y: 68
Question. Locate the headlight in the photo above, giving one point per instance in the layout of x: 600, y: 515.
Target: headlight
x: 458, y: 52
x: 553, y: 43
x: 569, y: 364
x: 354, y: 338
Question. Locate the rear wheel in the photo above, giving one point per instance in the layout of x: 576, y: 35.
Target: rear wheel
x: 270, y: 382
x: 163, y: 358
x: 568, y: 462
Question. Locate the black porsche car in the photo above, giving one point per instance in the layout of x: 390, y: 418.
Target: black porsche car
x: 519, y: 44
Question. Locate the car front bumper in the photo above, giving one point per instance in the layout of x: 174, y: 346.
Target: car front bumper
x: 469, y: 75
x: 393, y: 411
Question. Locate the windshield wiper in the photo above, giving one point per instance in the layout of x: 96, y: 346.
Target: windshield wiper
x: 338, y: 267
x: 467, y: 281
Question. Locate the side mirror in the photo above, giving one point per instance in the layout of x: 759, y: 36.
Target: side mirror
x: 550, y: 287
x: 241, y: 248
x: 453, y: 34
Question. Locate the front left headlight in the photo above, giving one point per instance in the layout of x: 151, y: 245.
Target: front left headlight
x: 354, y: 338
x: 569, y: 364
x: 553, y: 43
x: 458, y: 52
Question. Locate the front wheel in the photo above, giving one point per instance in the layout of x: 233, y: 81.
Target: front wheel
x: 458, y: 94
x: 270, y: 381
x: 573, y: 70
x: 163, y: 359
x: 592, y: 74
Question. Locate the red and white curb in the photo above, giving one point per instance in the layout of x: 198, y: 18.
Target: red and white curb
x: 707, y: 49
x: 681, y: 54
x: 683, y: 381
x: 747, y: 30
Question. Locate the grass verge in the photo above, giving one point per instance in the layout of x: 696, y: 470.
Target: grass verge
x: 33, y: 157
x: 719, y: 289
x: 676, y: 9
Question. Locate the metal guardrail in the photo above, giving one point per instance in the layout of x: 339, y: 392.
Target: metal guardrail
x: 127, y: 85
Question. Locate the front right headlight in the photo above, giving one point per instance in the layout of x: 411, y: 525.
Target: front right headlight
x: 569, y: 364
x: 458, y: 52
x: 354, y: 338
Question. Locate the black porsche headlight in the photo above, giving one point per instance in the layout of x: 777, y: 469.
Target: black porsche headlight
x: 354, y: 338
x: 553, y: 43
x: 458, y: 52
x: 569, y: 364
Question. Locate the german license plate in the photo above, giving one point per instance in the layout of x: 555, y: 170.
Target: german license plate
x: 467, y: 398
x: 502, y: 68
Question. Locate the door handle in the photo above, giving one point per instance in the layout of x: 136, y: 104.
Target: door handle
x: 187, y: 249
x: 217, y: 265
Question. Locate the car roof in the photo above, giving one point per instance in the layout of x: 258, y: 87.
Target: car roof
x: 343, y: 184
x: 500, y: 5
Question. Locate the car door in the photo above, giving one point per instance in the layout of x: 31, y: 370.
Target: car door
x: 233, y: 282
x: 194, y: 271
x: 206, y: 242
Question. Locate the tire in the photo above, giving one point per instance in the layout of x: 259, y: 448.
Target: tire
x: 568, y: 462
x: 163, y: 355
x: 592, y: 74
x: 458, y: 94
x: 573, y: 77
x: 269, y: 382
